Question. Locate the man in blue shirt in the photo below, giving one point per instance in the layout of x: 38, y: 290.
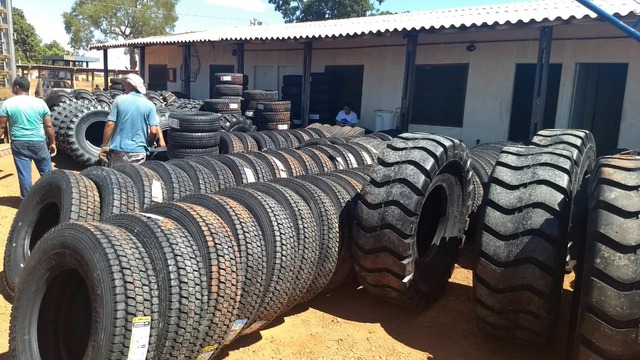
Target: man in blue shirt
x: 28, y: 118
x: 131, y: 126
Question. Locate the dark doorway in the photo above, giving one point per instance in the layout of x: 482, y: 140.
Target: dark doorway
x: 440, y: 95
x: 214, y: 69
x: 522, y: 104
x: 350, y: 89
x: 597, y: 103
x: 158, y: 77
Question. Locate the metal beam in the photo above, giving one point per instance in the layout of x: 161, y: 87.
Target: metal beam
x: 142, y: 64
x: 240, y: 58
x: 186, y: 70
x: 542, y: 81
x: 306, y: 83
x: 10, y: 42
x: 633, y: 33
x: 409, y: 81
x: 105, y: 59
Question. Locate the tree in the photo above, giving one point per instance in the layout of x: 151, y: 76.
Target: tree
x: 313, y: 10
x: 97, y: 21
x: 27, y: 42
x: 54, y: 48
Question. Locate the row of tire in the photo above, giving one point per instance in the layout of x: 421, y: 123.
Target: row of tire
x: 194, y: 274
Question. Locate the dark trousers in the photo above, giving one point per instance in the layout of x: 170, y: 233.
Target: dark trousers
x: 24, y: 152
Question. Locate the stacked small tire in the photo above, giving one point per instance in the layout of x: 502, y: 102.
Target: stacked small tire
x: 193, y: 133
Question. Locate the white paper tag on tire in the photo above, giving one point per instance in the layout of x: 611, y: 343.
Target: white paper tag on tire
x: 260, y: 106
x: 281, y: 168
x: 174, y: 123
x: 140, y: 331
x: 233, y: 106
x: 283, y: 127
x: 225, y: 78
x: 152, y: 216
x: 235, y: 330
x: 353, y: 159
x: 156, y: 191
x: 250, y: 177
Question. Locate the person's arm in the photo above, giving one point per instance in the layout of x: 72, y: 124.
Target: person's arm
x: 154, y: 130
x: 51, y: 135
x: 108, y: 132
x: 154, y: 125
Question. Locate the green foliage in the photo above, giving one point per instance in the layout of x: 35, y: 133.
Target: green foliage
x: 312, y: 10
x: 54, y: 48
x: 27, y: 42
x: 96, y: 21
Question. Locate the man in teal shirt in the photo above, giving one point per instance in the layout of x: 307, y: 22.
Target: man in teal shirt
x: 131, y: 127
x: 29, y: 119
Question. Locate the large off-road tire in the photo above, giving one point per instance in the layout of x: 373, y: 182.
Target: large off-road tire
x: 522, y: 241
x: 72, y: 111
x: 57, y: 97
x: 151, y: 189
x: 203, y: 181
x: 194, y: 121
x: 82, y: 294
x: 180, y: 279
x: 118, y: 193
x: 56, y: 198
x: 411, y: 218
x: 84, y: 131
x: 609, y: 311
x: 176, y: 181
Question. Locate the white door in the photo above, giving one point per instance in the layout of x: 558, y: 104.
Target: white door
x: 266, y: 78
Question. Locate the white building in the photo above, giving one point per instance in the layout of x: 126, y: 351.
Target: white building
x: 480, y: 95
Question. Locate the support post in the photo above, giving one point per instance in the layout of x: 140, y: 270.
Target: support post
x: 409, y: 81
x: 542, y: 81
x: 10, y: 42
x: 240, y: 58
x: 73, y: 78
x: 186, y: 70
x: 93, y: 80
x: 306, y: 82
x: 142, y: 64
x: 105, y: 60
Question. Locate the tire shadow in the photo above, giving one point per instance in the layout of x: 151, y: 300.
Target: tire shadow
x: 64, y: 162
x: 4, y: 292
x: 10, y: 201
x: 5, y: 356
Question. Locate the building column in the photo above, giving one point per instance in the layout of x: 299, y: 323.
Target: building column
x: 73, y: 78
x: 105, y: 60
x: 542, y: 81
x: 186, y: 70
x: 409, y: 81
x: 240, y: 58
x: 142, y: 64
x: 306, y: 82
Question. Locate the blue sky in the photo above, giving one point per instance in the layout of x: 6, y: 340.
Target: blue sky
x: 46, y: 15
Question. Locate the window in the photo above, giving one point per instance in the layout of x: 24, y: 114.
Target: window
x: 439, y: 95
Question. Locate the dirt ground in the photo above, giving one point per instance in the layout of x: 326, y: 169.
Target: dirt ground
x: 349, y: 323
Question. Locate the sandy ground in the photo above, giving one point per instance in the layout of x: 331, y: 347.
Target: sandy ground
x: 349, y: 323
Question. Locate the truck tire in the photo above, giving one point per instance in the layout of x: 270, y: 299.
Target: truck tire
x: 411, y: 217
x: 118, y: 193
x: 227, y: 90
x: 151, y: 189
x: 83, y: 132
x: 248, y: 142
x: 194, y: 121
x: 202, y: 179
x: 309, y: 166
x: 176, y: 181
x: 323, y: 162
x: 290, y: 164
x: 264, y: 143
x: 230, y: 144
x: 274, y: 106
x: 261, y: 170
x: 185, y: 140
x: 243, y: 172
x: 222, y: 175
x: 180, y: 153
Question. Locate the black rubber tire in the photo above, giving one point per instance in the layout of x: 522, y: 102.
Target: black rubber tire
x: 194, y: 121
x: 299, y: 135
x: 56, y: 198
x: 368, y: 153
x: 482, y: 164
x: 184, y: 140
x: 353, y: 156
x: 276, y: 126
x: 253, y: 256
x: 336, y: 156
x: 277, y: 139
x: 219, y: 255
x: 264, y: 143
x: 274, y: 106
x: 522, y: 240
x: 228, y: 78
x: 295, y: 80
x: 221, y: 105
x: 260, y: 95
x: 118, y: 193
x: 319, y: 133
x: 178, y: 153
x: 221, y: 174
x: 72, y: 110
x: 261, y: 170
x: 276, y: 166
x: 411, y: 218
x: 292, y: 141
x: 382, y: 136
x: 75, y: 273
x: 306, y: 232
x: 151, y: 189
x: 180, y: 278
x: 292, y: 166
x: 57, y: 97
x: 78, y: 145
x: 323, y: 162
x: 307, y: 163
x: 203, y: 181
x: 114, y: 93
x: 176, y: 181
x: 315, y: 142
x: 274, y: 117
x: 82, y: 94
x: 227, y: 90
x: 608, y: 314
x: 248, y: 142
x: 281, y: 245
x: 309, y: 133
x: 374, y: 144
x: 243, y: 172
x: 230, y: 144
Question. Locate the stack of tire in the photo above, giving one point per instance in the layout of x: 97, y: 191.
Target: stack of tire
x: 292, y: 91
x: 323, y: 101
x: 252, y: 100
x: 228, y: 101
x: 274, y: 115
x: 193, y: 133
x: 184, y: 278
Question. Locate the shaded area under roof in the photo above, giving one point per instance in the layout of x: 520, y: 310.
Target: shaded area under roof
x: 70, y: 58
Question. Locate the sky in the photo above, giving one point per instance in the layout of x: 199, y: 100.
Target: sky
x: 194, y: 15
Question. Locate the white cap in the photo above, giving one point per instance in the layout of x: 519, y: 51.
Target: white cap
x: 137, y: 82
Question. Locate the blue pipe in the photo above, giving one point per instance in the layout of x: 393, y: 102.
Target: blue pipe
x: 633, y: 33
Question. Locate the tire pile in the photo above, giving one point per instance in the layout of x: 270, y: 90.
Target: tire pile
x: 325, y: 90
x: 193, y: 133
x: 183, y: 278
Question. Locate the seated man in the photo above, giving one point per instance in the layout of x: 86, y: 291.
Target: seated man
x: 347, y: 117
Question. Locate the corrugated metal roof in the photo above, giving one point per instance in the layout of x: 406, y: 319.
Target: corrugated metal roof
x: 539, y: 11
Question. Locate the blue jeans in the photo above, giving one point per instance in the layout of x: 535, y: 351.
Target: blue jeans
x: 24, y: 152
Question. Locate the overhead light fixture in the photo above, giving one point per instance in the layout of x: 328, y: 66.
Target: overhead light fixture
x: 472, y: 46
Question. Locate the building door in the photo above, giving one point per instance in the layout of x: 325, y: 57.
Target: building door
x: 265, y: 78
x: 157, y: 77
x: 597, y: 103
x: 214, y: 69
x: 350, y: 90
x: 522, y: 104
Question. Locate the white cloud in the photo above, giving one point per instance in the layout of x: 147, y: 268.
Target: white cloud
x: 246, y: 5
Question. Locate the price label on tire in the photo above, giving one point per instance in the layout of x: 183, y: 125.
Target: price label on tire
x: 283, y: 127
x: 260, y: 106
x: 233, y: 106
x: 225, y: 78
x: 174, y: 123
x: 140, y: 331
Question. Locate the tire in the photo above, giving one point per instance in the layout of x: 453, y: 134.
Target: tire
x: 318, y: 133
x: 114, y: 93
x: 230, y: 144
x: 221, y: 105
x: 277, y: 167
x: 608, y: 314
x: 299, y: 135
x: 260, y: 95
x: 376, y: 145
x: 274, y: 117
x: 176, y: 181
x: 180, y: 278
x: 278, y: 141
x: 411, y: 217
x: 78, y: 271
x: 292, y: 141
x: 336, y: 156
x: 228, y: 78
x: 248, y: 142
x: 292, y: 166
x: 311, y: 134
x: 56, y: 198
x: 261, y: 170
x: 276, y: 126
x: 151, y: 189
x: 308, y: 165
x: 57, y: 97
x: 264, y: 143
x: 522, y: 239
x: 315, y: 142
x: 353, y: 158
x: 382, y: 136
x: 178, y: 153
x: 118, y: 193
x: 281, y: 245
x: 227, y: 90
x: 295, y: 80
x: 221, y: 174
x: 194, y: 121
x: 275, y: 106
x: 368, y: 154
x: 323, y: 162
x: 185, y: 140
x: 73, y: 112
x: 243, y: 172
x: 202, y: 179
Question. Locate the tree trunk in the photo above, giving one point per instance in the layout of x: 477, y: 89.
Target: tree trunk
x: 133, y: 61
